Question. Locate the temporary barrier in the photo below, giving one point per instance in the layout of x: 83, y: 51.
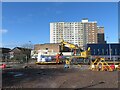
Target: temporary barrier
x: 101, y: 65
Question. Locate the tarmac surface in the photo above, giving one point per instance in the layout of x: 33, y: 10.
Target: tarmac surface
x: 56, y: 76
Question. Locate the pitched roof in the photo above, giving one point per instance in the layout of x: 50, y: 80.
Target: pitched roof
x: 5, y: 50
x: 21, y: 49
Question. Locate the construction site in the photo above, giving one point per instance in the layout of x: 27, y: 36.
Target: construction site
x: 77, y: 71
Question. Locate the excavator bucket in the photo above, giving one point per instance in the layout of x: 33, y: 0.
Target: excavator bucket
x: 89, y: 49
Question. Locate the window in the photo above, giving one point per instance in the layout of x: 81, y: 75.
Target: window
x: 94, y: 51
x: 102, y: 51
x: 115, y: 51
x: 107, y: 51
x: 98, y: 51
x: 111, y: 51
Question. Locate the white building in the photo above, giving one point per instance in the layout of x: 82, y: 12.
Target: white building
x: 79, y: 33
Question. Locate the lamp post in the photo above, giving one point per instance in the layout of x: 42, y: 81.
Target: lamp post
x: 109, y: 49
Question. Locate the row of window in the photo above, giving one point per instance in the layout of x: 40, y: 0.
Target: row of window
x: 71, y: 33
x: 105, y: 52
x: 74, y: 27
x: 92, y: 23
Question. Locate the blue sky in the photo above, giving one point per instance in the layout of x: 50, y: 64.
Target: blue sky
x: 23, y: 22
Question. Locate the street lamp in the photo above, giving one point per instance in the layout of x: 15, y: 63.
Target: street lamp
x: 109, y: 49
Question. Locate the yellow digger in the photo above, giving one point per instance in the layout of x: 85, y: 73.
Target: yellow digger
x: 78, y: 52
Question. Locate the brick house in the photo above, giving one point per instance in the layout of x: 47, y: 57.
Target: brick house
x: 4, y: 53
x: 20, y: 53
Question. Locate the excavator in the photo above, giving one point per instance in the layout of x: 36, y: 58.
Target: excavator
x: 78, y: 52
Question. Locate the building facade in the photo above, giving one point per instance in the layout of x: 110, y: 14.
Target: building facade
x: 4, y: 54
x: 79, y: 33
x: 53, y: 47
x: 49, y: 49
x: 100, y: 35
x: 21, y: 54
x: 105, y: 50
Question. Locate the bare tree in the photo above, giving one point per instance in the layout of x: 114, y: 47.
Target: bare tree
x: 28, y: 45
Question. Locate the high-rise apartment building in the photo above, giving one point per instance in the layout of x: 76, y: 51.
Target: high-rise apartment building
x: 80, y: 33
x: 100, y: 35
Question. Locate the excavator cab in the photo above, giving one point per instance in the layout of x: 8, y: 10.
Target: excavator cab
x: 86, y: 53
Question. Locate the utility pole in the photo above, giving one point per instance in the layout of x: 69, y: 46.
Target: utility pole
x: 109, y: 49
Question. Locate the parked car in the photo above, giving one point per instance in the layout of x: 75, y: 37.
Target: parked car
x: 2, y: 66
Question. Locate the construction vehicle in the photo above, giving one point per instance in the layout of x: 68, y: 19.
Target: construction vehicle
x: 78, y: 52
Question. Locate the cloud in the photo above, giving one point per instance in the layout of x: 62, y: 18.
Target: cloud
x: 3, y: 31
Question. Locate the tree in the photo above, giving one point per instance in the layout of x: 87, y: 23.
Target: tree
x: 28, y: 45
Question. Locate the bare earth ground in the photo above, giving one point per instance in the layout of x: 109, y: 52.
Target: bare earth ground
x: 55, y: 76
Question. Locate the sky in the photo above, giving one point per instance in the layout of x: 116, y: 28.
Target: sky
x: 23, y: 22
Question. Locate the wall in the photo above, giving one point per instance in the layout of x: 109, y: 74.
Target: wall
x: 104, y: 49
x: 54, y: 47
